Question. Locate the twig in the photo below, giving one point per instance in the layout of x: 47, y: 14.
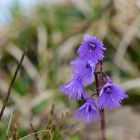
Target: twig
x: 15, y: 133
x: 99, y: 84
x: 10, y: 87
x: 52, y: 109
x: 34, y: 131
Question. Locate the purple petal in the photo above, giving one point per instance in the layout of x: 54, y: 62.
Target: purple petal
x: 84, y: 69
x: 110, y: 96
x: 87, y: 112
x: 74, y: 89
x: 91, y: 48
x: 86, y: 37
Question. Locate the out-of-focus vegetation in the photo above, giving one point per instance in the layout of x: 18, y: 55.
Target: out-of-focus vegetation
x: 51, y: 34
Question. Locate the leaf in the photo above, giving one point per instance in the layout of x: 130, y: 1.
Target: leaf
x: 39, y: 107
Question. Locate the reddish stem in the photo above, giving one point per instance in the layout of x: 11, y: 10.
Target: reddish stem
x: 10, y: 87
x: 99, y: 84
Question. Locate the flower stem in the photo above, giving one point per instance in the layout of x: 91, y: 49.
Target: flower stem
x: 11, y: 84
x: 99, y: 84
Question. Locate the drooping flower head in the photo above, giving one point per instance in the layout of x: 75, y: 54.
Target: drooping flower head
x: 74, y: 89
x: 111, y: 95
x: 91, y: 48
x: 83, y: 68
x: 87, y: 112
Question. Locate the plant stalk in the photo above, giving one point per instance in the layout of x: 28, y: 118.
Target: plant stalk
x: 10, y: 86
x: 99, y: 84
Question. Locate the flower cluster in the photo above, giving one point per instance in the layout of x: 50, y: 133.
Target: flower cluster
x: 90, y: 52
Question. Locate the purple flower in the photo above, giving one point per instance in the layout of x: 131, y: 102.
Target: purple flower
x: 83, y: 68
x: 87, y: 112
x: 91, y: 48
x: 74, y: 89
x: 111, y: 96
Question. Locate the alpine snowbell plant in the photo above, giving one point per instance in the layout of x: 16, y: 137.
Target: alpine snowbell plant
x: 87, y: 65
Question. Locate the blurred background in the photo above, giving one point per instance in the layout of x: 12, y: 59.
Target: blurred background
x: 51, y: 32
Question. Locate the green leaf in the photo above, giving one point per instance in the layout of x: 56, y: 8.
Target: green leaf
x: 74, y: 138
x: 21, y: 84
x: 39, y: 107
